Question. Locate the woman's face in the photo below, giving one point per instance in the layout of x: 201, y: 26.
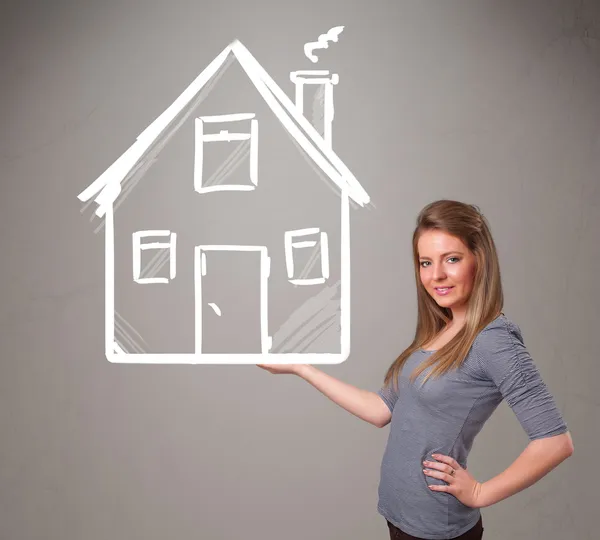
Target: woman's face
x: 445, y: 261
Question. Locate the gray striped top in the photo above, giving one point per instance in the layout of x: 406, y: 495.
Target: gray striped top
x: 445, y: 416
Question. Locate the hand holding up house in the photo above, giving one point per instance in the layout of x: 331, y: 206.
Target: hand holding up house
x: 364, y: 404
x: 279, y: 369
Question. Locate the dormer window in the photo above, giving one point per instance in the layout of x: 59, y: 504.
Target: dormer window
x: 226, y: 153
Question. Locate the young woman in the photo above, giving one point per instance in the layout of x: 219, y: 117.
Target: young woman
x: 466, y: 357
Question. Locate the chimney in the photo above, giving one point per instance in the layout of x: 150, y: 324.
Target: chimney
x: 314, y: 99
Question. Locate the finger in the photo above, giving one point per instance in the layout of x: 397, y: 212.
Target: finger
x: 439, y: 474
x: 266, y: 368
x: 434, y: 473
x: 447, y: 460
x: 440, y: 465
x: 447, y: 469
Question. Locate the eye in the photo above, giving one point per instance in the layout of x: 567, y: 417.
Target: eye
x: 422, y: 263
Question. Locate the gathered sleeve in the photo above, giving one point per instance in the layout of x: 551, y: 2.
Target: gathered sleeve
x: 502, y: 356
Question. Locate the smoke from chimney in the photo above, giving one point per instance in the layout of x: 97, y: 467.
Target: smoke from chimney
x: 322, y: 42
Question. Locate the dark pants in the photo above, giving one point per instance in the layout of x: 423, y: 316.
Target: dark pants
x: 474, y: 533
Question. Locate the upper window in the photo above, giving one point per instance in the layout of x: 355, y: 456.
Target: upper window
x: 154, y: 262
x: 226, y: 153
x: 302, y: 257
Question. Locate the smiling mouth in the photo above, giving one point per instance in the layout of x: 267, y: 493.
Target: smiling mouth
x: 443, y: 290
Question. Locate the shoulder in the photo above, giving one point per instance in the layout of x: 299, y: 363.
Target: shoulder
x: 499, y: 350
x: 499, y: 335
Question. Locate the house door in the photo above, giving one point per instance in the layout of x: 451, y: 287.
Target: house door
x: 231, y: 299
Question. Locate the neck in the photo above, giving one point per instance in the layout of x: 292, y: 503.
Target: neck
x: 459, y: 315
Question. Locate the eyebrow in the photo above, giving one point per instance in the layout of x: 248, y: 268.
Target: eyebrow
x: 444, y: 254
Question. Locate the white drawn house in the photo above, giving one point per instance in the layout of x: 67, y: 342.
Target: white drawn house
x: 235, y: 245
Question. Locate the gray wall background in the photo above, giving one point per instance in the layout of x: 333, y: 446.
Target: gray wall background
x: 492, y: 102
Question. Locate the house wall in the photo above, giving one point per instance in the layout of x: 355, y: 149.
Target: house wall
x: 291, y: 194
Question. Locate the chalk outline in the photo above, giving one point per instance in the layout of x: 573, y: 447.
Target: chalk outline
x: 225, y: 136
x: 313, y: 77
x: 322, y: 42
x: 200, y: 270
x: 139, y: 246
x: 289, y: 254
x: 107, y: 186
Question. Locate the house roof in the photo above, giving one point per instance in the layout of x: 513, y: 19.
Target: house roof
x: 107, y: 186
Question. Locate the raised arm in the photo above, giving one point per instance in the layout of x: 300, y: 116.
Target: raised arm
x: 366, y: 405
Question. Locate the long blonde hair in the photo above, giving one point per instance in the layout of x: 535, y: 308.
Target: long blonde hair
x: 486, y: 300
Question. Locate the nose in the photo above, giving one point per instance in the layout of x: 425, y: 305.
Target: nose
x: 438, y: 272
